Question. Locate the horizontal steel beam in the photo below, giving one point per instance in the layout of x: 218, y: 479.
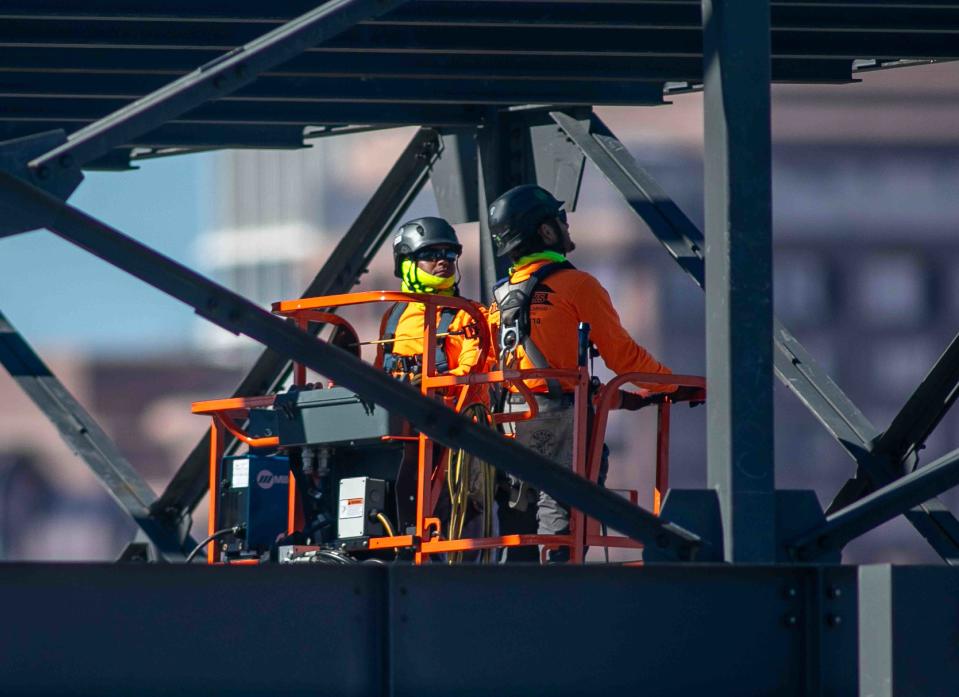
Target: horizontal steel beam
x: 422, y: 66
x: 880, y: 42
x: 238, y: 315
x: 259, y: 113
x: 348, y: 261
x: 216, y: 79
x: 281, y: 90
x: 81, y: 432
x: 880, y: 506
x: 536, y: 15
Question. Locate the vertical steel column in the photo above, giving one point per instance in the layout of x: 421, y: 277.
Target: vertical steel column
x: 739, y: 321
x: 494, y: 179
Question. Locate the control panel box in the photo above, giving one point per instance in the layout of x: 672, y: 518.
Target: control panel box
x: 330, y: 417
x: 360, y: 497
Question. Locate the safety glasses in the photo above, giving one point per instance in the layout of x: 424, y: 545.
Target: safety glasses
x: 437, y: 255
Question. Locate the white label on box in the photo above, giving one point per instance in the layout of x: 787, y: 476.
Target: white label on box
x: 351, y: 508
x: 241, y: 474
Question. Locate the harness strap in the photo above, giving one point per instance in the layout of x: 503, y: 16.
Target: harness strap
x: 392, y: 362
x: 515, y: 328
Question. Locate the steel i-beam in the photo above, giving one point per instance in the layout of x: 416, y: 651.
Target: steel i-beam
x: 238, y: 315
x: 342, y: 270
x: 217, y: 78
x: 739, y: 319
x: 795, y: 368
x: 81, y: 432
x: 493, y: 162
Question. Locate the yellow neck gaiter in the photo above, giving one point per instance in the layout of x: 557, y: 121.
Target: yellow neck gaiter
x: 545, y: 255
x: 416, y: 280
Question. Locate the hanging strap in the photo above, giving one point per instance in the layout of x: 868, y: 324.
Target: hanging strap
x: 513, y: 301
x: 413, y: 364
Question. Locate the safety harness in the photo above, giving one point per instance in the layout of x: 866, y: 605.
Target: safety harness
x: 413, y: 365
x: 513, y: 301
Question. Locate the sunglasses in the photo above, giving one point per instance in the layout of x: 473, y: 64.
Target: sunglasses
x: 561, y: 215
x: 437, y: 255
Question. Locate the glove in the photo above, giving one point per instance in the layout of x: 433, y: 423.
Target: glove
x: 633, y: 401
x: 694, y: 395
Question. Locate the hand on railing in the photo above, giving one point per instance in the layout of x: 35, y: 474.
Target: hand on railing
x: 694, y: 395
x: 634, y: 401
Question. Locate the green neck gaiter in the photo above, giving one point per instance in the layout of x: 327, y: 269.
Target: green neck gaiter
x: 416, y: 280
x: 546, y: 255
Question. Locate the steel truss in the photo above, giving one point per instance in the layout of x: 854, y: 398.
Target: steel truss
x: 739, y: 314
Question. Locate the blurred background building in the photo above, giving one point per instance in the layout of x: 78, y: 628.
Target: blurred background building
x: 865, y: 214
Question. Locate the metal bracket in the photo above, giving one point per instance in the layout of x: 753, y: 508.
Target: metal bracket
x: 14, y: 156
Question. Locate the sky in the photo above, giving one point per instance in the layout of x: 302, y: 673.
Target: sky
x: 60, y: 297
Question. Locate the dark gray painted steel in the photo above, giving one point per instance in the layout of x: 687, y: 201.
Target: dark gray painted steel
x: 795, y: 368
x: 739, y: 319
x: 236, y: 314
x: 880, y: 506
x: 232, y: 71
x: 147, y: 630
x: 81, y: 432
x: 346, y: 263
x: 660, y: 630
x: 926, y: 407
x: 437, y: 55
x: 907, y: 631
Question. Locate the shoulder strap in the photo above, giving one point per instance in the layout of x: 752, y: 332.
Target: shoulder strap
x: 513, y: 300
x: 392, y: 322
x: 447, y: 315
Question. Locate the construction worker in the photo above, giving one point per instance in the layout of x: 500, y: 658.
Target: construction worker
x: 535, y: 320
x: 425, y: 256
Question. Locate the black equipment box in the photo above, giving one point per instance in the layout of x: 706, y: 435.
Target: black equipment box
x: 330, y: 417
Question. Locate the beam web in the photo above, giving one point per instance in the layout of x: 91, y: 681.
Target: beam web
x: 739, y: 323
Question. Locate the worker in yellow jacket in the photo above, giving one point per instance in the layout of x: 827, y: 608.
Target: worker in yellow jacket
x: 425, y: 256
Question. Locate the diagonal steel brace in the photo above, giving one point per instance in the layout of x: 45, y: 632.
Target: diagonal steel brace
x: 794, y: 367
x: 83, y: 434
x: 236, y: 314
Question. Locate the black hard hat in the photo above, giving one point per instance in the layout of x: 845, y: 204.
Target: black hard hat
x: 419, y: 234
x: 515, y: 216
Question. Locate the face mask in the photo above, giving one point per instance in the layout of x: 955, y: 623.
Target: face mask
x: 416, y: 280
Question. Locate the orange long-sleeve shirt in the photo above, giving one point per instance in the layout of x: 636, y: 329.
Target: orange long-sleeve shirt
x: 563, y: 300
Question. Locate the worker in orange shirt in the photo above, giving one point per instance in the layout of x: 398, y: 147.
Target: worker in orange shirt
x: 425, y: 256
x: 535, y: 320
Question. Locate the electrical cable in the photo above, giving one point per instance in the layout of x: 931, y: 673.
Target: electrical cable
x: 236, y: 530
x: 385, y: 522
x: 458, y: 480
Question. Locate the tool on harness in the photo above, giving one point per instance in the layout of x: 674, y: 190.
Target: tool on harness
x: 513, y: 301
x: 413, y: 365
